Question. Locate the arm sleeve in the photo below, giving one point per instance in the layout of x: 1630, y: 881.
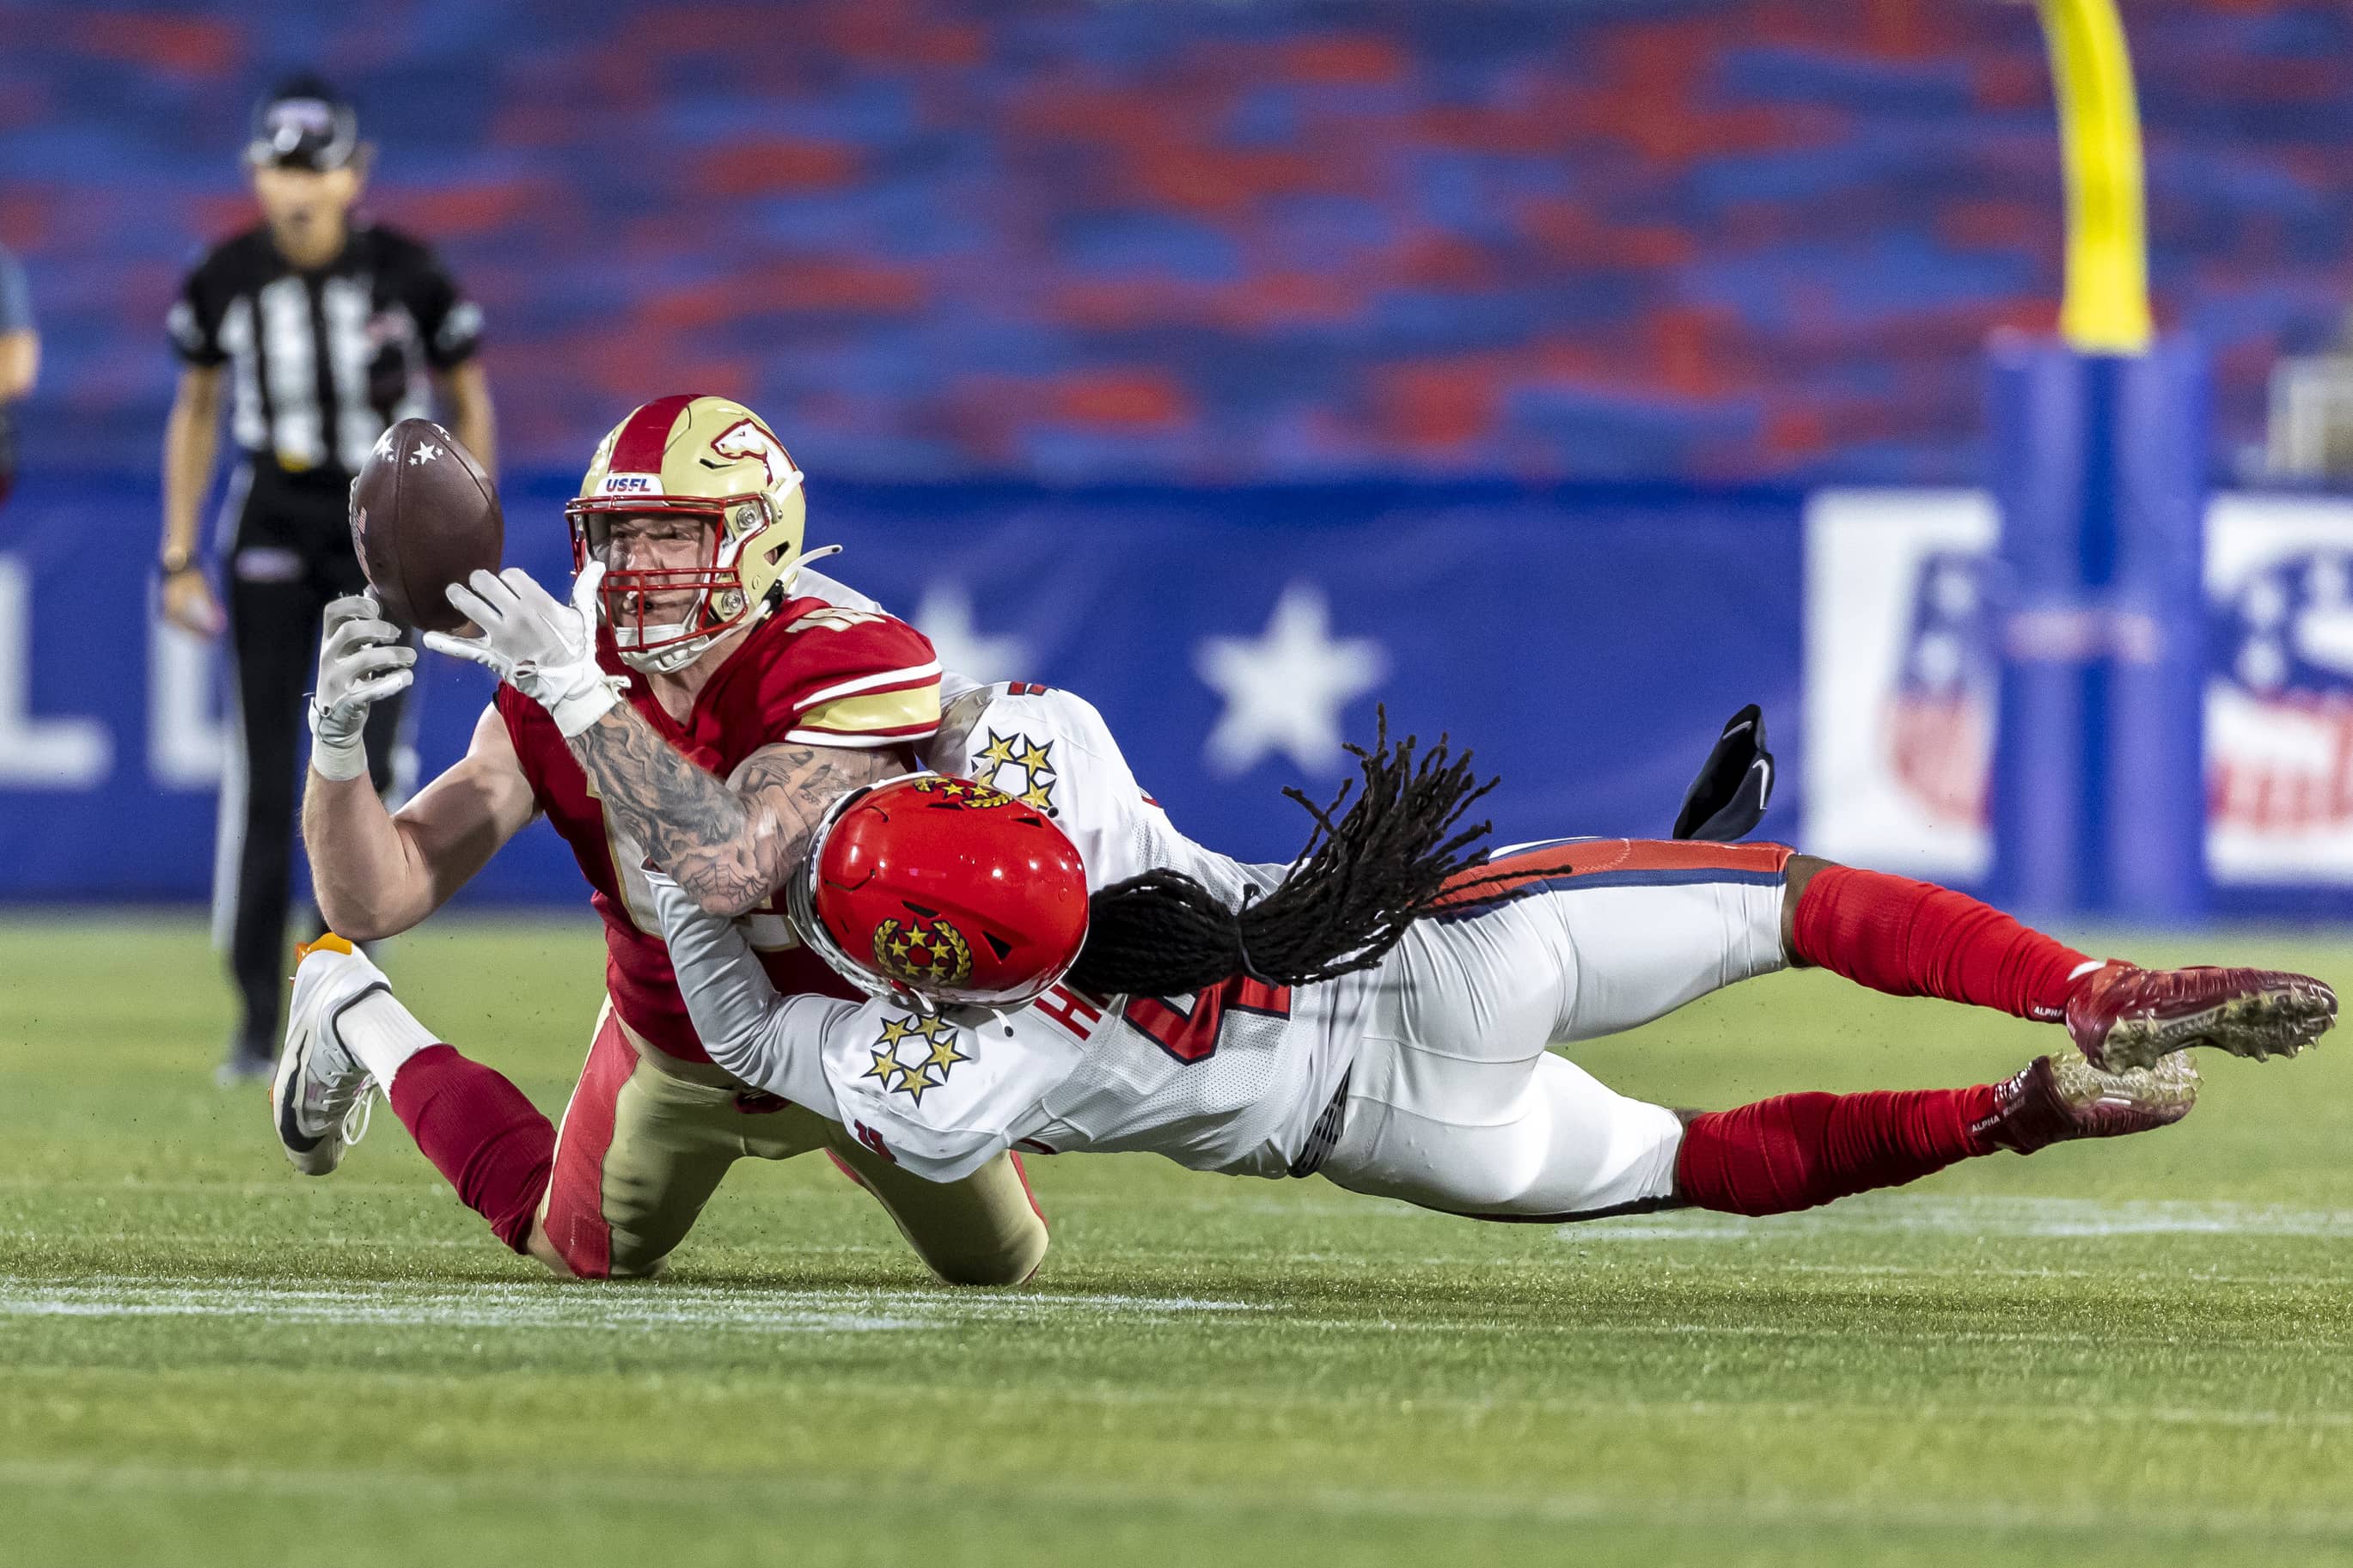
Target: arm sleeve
x: 924, y: 1093
x: 773, y: 1042
x: 449, y: 324
x: 940, y: 1097
x: 195, y: 320
x: 15, y: 296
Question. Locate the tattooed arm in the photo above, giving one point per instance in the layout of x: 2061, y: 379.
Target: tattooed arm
x: 728, y: 844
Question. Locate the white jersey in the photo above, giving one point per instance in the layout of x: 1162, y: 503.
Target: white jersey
x: 1233, y: 1079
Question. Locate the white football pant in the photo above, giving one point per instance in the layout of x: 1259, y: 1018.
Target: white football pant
x: 1453, y: 1101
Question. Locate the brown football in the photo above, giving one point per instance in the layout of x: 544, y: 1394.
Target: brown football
x: 424, y: 515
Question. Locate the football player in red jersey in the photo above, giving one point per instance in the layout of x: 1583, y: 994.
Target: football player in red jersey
x: 702, y: 703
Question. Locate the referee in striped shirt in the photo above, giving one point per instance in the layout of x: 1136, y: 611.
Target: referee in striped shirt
x: 321, y: 329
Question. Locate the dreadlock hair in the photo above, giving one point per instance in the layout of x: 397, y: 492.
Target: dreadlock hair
x: 1350, y: 896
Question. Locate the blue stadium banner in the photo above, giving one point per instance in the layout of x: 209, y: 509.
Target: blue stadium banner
x: 1587, y: 643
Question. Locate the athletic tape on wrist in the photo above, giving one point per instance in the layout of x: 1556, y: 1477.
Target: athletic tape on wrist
x: 338, y: 760
x: 580, y: 706
x: 337, y: 757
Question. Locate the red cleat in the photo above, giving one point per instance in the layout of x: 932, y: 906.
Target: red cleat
x: 2055, y: 1098
x: 2124, y: 1016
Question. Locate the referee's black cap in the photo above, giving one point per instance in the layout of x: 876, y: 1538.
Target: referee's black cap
x: 304, y: 124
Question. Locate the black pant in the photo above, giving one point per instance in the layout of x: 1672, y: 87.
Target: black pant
x: 291, y: 554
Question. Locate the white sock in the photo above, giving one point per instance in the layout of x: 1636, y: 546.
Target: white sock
x: 383, y: 1034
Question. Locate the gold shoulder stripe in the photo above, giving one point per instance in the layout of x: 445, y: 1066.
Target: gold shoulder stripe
x: 916, y: 707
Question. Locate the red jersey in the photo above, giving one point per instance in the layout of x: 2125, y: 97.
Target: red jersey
x: 812, y: 673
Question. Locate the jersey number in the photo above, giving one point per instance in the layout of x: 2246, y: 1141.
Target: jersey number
x: 1193, y: 1037
x: 873, y: 1139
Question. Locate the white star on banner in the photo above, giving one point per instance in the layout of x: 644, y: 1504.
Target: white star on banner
x: 1285, y: 687
x: 946, y: 617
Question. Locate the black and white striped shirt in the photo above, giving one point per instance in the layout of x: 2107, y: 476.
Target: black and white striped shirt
x: 322, y: 362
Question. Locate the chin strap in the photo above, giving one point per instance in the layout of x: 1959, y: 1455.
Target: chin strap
x: 914, y: 1001
x: 662, y: 661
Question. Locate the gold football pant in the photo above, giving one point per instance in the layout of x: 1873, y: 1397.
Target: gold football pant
x: 646, y: 1138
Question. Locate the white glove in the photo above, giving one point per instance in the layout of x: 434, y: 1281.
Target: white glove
x: 543, y: 648
x: 360, y: 661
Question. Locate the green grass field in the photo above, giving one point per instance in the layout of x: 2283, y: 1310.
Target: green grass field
x: 2136, y: 1352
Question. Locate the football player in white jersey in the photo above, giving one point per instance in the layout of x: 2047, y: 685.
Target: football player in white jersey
x: 1053, y: 967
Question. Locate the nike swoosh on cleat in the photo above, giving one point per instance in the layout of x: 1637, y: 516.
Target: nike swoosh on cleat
x: 287, y: 1130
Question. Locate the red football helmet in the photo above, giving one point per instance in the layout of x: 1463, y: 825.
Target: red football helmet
x: 932, y: 891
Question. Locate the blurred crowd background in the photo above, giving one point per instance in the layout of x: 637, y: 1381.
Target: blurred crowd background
x: 1484, y: 358
x: 1718, y: 240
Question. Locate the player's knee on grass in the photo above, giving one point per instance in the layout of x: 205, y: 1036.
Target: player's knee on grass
x: 984, y: 1230
x: 641, y: 1151
x: 1012, y: 1262
x: 620, y: 1260
x: 539, y: 1244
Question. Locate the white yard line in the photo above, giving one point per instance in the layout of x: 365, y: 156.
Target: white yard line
x: 553, y: 1305
x: 627, y: 1305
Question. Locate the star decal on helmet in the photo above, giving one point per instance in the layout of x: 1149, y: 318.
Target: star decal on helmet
x: 973, y: 795
x: 1030, y: 765
x: 923, y: 951
x: 915, y: 1078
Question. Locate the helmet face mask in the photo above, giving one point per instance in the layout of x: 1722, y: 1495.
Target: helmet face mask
x: 800, y: 913
x: 930, y: 892
x: 627, y: 595
x: 706, y: 459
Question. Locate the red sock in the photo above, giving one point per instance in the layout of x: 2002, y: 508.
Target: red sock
x: 1795, y: 1150
x: 481, y: 1133
x: 1914, y: 939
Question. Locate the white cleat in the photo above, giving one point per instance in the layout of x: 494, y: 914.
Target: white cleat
x: 319, y: 1100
